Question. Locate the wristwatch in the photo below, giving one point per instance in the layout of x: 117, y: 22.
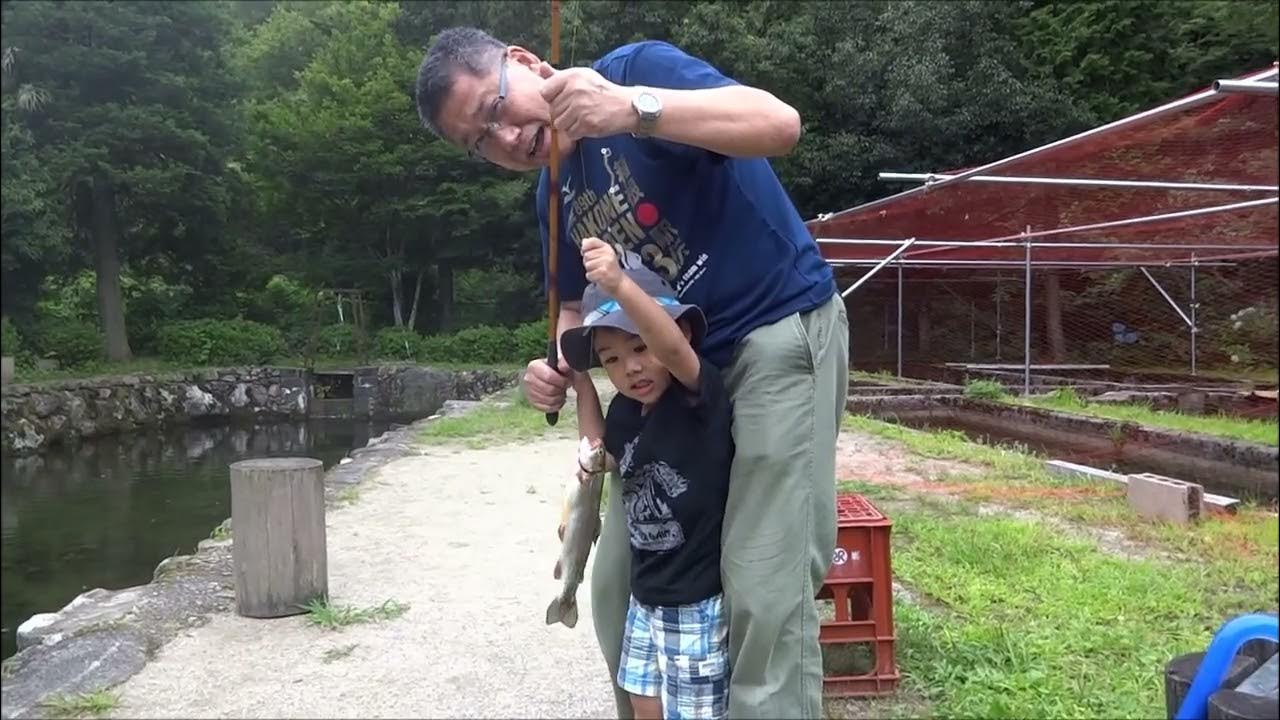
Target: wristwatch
x: 649, y: 108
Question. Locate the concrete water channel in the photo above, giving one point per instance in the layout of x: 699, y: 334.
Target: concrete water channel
x: 1244, y: 470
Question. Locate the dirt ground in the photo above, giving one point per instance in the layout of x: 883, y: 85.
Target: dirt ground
x: 467, y: 539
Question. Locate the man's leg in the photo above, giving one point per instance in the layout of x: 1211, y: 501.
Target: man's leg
x: 788, y: 381
x: 611, y: 589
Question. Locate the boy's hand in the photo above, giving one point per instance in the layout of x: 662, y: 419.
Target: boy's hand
x: 601, y: 264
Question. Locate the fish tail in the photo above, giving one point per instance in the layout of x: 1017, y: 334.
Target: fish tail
x: 564, y: 611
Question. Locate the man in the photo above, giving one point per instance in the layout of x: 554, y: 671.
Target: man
x: 665, y: 158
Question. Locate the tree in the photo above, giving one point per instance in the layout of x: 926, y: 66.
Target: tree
x: 345, y: 163
x: 134, y: 131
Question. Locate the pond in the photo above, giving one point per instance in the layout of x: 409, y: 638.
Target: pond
x: 104, y: 512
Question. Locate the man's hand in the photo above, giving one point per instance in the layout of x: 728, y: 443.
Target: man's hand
x: 544, y: 387
x: 601, y: 263
x: 585, y: 104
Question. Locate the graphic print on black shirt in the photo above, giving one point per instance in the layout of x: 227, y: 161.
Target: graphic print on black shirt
x: 674, y: 463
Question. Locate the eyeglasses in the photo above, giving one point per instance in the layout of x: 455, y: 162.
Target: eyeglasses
x: 477, y: 150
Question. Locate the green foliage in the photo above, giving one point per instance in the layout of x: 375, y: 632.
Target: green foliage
x: 984, y: 390
x: 10, y: 340
x: 220, y: 342
x: 485, y: 344
x: 337, y: 340
x: 397, y: 344
x: 253, y: 154
x: 1250, y: 335
x: 70, y: 341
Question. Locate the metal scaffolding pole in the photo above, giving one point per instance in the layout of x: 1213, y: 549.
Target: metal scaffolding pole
x: 1020, y: 243
x: 899, y: 320
x: 902, y: 247
x: 932, y: 178
x: 1177, y: 106
x: 1195, y: 329
x: 1246, y: 87
x: 1040, y: 263
x: 1026, y: 326
x: 998, y: 338
x: 1168, y: 299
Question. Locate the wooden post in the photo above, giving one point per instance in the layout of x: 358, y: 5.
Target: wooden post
x: 278, y: 535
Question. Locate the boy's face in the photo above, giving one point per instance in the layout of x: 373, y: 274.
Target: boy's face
x: 631, y: 367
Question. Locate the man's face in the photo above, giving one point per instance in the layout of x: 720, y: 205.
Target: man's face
x: 510, y: 128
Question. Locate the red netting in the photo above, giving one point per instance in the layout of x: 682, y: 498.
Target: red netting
x: 1113, y: 289
x: 853, y: 508
x: 1222, y: 139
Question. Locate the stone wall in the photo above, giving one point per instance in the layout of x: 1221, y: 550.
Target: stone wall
x: 38, y: 414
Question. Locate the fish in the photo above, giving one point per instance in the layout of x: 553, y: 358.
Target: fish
x: 580, y: 521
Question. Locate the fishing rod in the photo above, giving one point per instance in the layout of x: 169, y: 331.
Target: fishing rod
x: 553, y: 221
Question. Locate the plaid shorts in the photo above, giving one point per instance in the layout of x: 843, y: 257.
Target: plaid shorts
x: 679, y: 654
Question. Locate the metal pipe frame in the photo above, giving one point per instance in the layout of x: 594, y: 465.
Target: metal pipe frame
x: 1142, y: 220
x: 1195, y: 329
x: 1246, y: 87
x: 1180, y: 105
x: 902, y: 247
x: 931, y: 179
x: 899, y: 320
x: 1168, y: 299
x: 1039, y: 263
x: 1026, y: 324
x: 1009, y: 243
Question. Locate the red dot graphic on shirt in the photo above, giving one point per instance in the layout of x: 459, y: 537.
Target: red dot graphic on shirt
x: 647, y: 214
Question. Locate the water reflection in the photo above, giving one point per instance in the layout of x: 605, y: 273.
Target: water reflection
x: 104, y: 512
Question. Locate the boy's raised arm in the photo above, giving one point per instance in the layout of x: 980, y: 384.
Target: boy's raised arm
x: 660, y: 333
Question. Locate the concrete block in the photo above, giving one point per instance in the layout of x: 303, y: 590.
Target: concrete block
x: 6, y: 369
x: 1156, y: 497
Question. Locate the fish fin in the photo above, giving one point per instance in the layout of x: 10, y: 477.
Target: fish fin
x: 565, y: 611
x: 559, y: 571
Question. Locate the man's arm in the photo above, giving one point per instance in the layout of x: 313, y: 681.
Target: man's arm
x: 737, y: 120
x: 701, y: 107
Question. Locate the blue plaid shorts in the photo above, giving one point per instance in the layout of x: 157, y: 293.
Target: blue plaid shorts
x: 679, y: 654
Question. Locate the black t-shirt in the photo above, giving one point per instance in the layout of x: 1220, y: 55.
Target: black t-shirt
x: 674, y: 464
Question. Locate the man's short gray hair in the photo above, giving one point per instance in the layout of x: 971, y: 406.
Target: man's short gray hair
x: 456, y: 49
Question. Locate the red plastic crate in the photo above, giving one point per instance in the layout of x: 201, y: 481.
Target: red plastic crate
x: 860, y: 584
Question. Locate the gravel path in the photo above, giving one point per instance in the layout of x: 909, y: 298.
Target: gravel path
x: 467, y: 539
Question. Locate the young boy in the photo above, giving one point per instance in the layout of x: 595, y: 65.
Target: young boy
x: 669, y: 432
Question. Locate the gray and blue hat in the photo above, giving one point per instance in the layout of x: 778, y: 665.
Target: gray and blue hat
x: 601, y: 310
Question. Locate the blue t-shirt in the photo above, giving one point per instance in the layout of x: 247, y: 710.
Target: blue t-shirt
x: 720, y: 229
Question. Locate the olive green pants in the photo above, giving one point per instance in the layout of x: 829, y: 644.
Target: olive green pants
x: 788, y: 382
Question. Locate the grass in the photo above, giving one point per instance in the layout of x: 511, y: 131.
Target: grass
x: 1026, y: 621
x: 1248, y: 542
x: 494, y: 424
x: 322, y: 613
x: 347, y: 496
x: 337, y: 653
x: 1266, y: 432
x: 94, y: 704
x: 222, y: 531
x: 984, y: 390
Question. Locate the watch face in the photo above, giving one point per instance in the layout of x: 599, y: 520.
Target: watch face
x: 647, y: 103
